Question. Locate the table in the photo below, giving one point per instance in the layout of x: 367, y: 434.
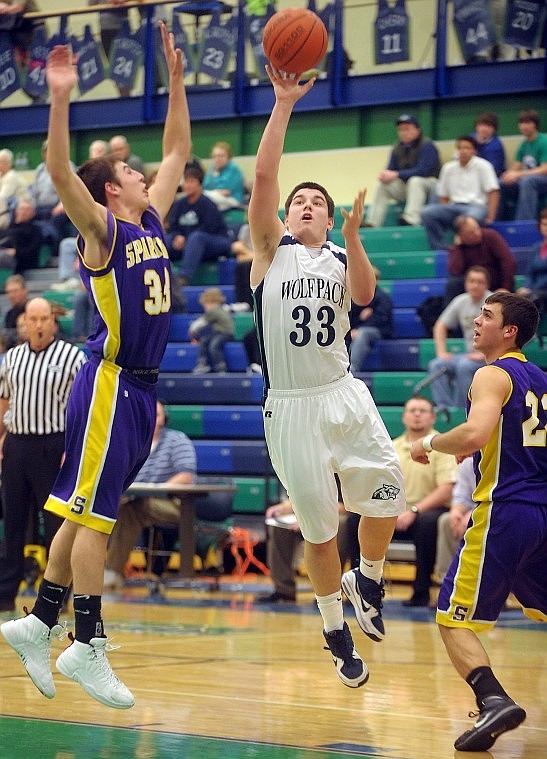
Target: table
x: 187, y: 542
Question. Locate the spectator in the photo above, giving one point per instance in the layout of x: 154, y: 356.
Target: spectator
x: 457, y: 370
x: 369, y: 324
x: 98, y: 149
x: 243, y: 251
x: 67, y: 265
x: 490, y: 146
x: 526, y: 179
x: 49, y: 209
x: 452, y: 525
x: 197, y: 230
x: 285, y: 540
x: 82, y: 323
x: 35, y: 382
x: 17, y: 293
x: 22, y: 240
x: 172, y: 459
x: 478, y: 246
x: 120, y: 147
x: 224, y: 182
x: 535, y: 282
x: 467, y: 185
x: 410, y: 176
x: 428, y: 495
x: 12, y: 187
x: 212, y: 330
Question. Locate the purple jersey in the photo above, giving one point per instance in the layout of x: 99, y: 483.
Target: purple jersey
x: 505, y: 548
x: 131, y: 292
x: 512, y: 466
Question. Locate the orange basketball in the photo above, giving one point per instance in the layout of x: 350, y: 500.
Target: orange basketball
x: 294, y: 40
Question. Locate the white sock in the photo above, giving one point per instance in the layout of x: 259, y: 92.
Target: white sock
x: 331, y: 610
x: 372, y: 569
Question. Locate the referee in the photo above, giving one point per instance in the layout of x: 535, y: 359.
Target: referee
x: 35, y: 382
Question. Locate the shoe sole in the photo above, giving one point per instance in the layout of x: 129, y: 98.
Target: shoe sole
x: 356, y: 601
x: 353, y: 683
x: 97, y: 696
x: 47, y: 692
x: 483, y: 738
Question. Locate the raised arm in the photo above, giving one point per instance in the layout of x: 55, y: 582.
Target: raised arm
x: 360, y: 274
x: 265, y: 225
x: 88, y: 216
x: 176, y: 133
x: 490, y: 389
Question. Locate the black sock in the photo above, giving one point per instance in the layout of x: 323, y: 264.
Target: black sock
x: 49, y: 602
x: 483, y: 683
x: 87, y: 616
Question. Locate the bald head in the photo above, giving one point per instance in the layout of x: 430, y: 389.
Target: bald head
x: 40, y: 323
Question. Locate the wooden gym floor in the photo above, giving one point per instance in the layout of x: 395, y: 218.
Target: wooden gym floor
x: 217, y: 677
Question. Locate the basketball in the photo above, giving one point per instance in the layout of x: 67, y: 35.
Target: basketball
x: 294, y: 40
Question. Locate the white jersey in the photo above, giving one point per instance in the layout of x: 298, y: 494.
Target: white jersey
x: 302, y: 316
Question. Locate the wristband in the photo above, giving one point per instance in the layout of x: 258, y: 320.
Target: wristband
x: 426, y: 442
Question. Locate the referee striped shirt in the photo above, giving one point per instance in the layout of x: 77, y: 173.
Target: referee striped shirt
x: 37, y: 385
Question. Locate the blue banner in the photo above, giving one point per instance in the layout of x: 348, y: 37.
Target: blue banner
x: 9, y: 73
x: 217, y: 47
x: 254, y: 25
x: 35, y: 80
x: 523, y: 24
x: 327, y: 17
x: 391, y: 33
x: 90, y: 61
x: 126, y: 56
x: 474, y: 27
x: 181, y: 41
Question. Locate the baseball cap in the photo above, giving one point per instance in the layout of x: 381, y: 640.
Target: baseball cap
x: 407, y: 118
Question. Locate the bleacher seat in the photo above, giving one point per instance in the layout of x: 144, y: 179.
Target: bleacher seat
x: 210, y: 388
x: 395, y: 387
x: 410, y: 293
x: 254, y: 494
x: 236, y: 358
x: 392, y: 239
x: 518, y: 234
x: 407, y: 323
x: 217, y: 421
x: 414, y: 264
x: 233, y: 457
x: 179, y: 357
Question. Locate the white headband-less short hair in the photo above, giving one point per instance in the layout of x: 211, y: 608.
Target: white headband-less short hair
x: 6, y: 153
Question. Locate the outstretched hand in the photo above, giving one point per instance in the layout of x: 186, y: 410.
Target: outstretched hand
x: 61, y: 74
x: 173, y: 55
x: 354, y: 217
x: 287, y: 87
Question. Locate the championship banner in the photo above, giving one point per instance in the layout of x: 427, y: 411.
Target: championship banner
x: 182, y: 42
x: 474, y: 27
x: 126, y: 56
x: 327, y: 17
x: 391, y: 33
x: 217, y: 46
x: 254, y: 24
x: 35, y: 83
x: 523, y: 23
x: 9, y: 72
x: 90, y: 61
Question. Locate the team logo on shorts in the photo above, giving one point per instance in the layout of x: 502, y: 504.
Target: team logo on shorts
x: 386, y: 493
x: 78, y: 507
